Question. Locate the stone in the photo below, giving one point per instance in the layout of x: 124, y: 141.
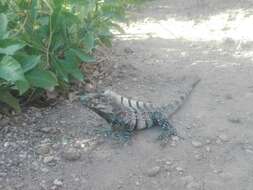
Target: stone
x: 90, y: 87
x: 137, y: 183
x: 128, y: 50
x: 152, y: 172
x: 193, y: 186
x: 43, y: 149
x: 198, y: 157
x: 58, y: 182
x: 71, y: 154
x: 208, y: 141
x: 3, y: 174
x: 179, y: 169
x: 5, y: 121
x: 44, y: 170
x: 234, y: 119
x: 218, y: 141
x: 49, y: 159
x: 208, y: 149
x: 187, y: 179
x: 175, y: 138
x: 196, y: 144
x: 223, y: 137
x: 51, y: 130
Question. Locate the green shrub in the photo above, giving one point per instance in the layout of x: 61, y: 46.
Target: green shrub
x: 43, y: 42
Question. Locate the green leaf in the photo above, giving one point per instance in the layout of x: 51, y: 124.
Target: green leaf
x: 22, y: 86
x: 10, y: 69
x: 11, y: 49
x: 83, y: 56
x: 70, y: 66
x: 6, y: 97
x: 29, y: 62
x: 41, y: 78
x: 89, y: 41
x: 33, y: 9
x: 3, y: 26
x: 60, y: 71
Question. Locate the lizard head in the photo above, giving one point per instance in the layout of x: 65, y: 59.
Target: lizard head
x: 100, y: 103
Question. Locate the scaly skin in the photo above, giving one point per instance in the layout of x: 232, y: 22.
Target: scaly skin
x: 127, y: 114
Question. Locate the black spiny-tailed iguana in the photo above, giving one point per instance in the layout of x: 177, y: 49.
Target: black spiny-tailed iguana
x: 127, y: 114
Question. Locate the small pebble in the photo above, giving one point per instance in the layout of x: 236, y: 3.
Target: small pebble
x: 48, y: 159
x: 137, y: 183
x: 43, y: 149
x: 179, y: 169
x: 196, y: 144
x: 223, y: 137
x: 218, y: 141
x: 58, y: 182
x: 208, y: 141
x: 3, y: 174
x: 175, y: 138
x: 193, y: 186
x: 234, y: 119
x: 45, y: 170
x: 71, y: 154
x: 208, y: 149
x: 51, y: 130
x: 187, y: 179
x: 153, y: 171
x: 198, y: 157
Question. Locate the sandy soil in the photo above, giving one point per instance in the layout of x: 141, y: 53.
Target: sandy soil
x: 56, y: 148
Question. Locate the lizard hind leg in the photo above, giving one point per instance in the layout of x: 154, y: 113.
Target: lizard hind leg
x: 168, y: 129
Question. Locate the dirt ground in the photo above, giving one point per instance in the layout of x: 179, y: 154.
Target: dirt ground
x: 56, y: 148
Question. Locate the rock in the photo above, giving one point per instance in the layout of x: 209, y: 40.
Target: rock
x: 43, y: 149
x: 250, y: 151
x: 169, y: 163
x: 44, y: 170
x: 218, y: 141
x: 58, y: 182
x: 49, y: 159
x: 5, y: 121
x: 128, y: 50
x: 71, y: 154
x: 175, y: 138
x: 90, y: 87
x: 137, y: 183
x: 223, y: 137
x: 193, y: 186
x: 179, y: 169
x: 35, y: 165
x: 234, y: 119
x: 187, y: 179
x: 208, y: 141
x: 152, y: 172
x: 208, y: 149
x: 198, y: 157
x: 51, y: 130
x: 3, y: 174
x: 196, y: 144
x: 43, y: 185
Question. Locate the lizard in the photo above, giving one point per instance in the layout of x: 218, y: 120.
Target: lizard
x: 127, y: 114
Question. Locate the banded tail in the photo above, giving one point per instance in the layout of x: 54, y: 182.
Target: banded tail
x: 137, y: 105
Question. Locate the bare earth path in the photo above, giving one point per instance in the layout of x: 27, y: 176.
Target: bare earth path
x: 55, y: 148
